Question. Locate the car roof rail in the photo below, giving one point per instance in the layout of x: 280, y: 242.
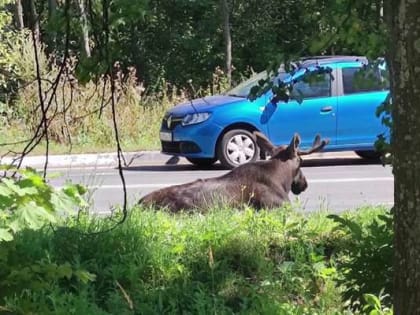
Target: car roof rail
x: 313, y: 60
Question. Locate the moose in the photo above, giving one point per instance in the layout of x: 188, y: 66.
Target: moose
x: 260, y: 184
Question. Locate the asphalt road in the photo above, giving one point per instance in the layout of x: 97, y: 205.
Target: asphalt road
x: 335, y: 183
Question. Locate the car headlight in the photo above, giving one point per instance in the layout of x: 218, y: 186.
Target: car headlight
x: 195, y: 118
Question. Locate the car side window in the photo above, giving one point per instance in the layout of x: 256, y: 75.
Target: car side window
x: 357, y: 80
x: 312, y: 86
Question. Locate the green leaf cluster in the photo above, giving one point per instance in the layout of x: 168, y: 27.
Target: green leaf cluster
x: 27, y: 201
x: 366, y: 263
x: 10, y: 40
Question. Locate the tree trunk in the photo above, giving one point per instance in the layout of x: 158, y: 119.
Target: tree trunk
x: 34, y: 20
x: 19, y: 15
x: 228, y: 41
x: 404, y: 61
x: 52, y: 10
x: 52, y: 7
x: 85, y: 27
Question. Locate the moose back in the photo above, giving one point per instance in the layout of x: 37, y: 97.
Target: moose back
x: 261, y: 184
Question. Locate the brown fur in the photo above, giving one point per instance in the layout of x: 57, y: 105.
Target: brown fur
x: 261, y: 184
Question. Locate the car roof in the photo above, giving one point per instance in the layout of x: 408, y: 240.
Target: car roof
x: 322, y: 60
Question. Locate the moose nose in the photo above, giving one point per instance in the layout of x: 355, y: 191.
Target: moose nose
x: 299, y: 185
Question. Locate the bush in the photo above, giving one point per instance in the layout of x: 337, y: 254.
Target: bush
x: 80, y: 114
x: 226, y: 262
x: 27, y: 201
x: 367, y: 256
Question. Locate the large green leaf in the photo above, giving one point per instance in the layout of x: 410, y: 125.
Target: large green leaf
x: 5, y: 235
x: 14, y: 187
x: 33, y: 216
x: 5, y: 191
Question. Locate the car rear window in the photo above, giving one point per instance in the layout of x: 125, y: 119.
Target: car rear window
x: 358, y: 80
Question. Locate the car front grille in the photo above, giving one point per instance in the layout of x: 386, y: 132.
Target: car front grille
x: 180, y: 147
x: 169, y: 122
x: 170, y: 147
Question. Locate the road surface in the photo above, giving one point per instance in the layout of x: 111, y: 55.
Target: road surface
x: 335, y: 184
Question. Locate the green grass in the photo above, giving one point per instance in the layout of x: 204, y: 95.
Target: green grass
x: 224, y: 262
x: 138, y: 129
x: 80, y: 118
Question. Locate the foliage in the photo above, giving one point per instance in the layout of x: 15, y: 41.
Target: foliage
x: 366, y: 266
x: 28, y: 202
x: 374, y: 305
x: 6, y: 52
x: 80, y: 114
x: 276, y: 262
x: 351, y: 27
x: 170, y: 47
x: 178, y: 41
x: 10, y: 43
x: 282, y: 90
x: 383, y: 143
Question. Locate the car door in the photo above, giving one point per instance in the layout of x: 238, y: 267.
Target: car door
x: 314, y: 112
x: 357, y: 124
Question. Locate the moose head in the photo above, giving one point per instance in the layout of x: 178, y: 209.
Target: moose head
x: 261, y: 184
x: 291, y: 157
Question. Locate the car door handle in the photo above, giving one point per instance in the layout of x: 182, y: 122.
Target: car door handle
x: 326, y: 109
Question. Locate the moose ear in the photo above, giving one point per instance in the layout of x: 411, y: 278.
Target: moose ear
x: 317, y: 141
x: 294, y: 144
x: 295, y: 141
x: 264, y: 143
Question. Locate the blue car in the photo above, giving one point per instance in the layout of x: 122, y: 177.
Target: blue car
x: 334, y: 104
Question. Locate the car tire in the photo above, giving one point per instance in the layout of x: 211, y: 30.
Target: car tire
x: 369, y: 155
x: 237, y: 147
x: 202, y: 162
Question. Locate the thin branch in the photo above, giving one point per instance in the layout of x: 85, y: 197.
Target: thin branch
x: 5, y: 144
x: 101, y: 108
x: 36, y: 139
x: 111, y: 72
x: 41, y: 101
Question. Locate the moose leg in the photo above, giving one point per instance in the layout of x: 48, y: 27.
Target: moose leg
x: 266, y: 198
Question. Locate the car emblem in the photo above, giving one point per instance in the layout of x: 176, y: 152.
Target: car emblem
x: 169, y: 122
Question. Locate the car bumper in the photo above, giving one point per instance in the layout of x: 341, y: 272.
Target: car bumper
x: 195, y: 141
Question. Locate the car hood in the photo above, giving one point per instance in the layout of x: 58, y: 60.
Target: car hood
x: 204, y: 104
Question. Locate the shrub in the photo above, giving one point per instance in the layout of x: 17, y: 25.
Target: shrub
x: 79, y: 114
x: 365, y: 264
x: 226, y: 262
x: 27, y: 201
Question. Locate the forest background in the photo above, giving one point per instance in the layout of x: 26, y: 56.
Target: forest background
x: 162, y: 51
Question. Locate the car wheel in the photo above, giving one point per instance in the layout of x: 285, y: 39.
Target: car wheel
x: 202, y: 162
x: 237, y: 147
x: 369, y: 155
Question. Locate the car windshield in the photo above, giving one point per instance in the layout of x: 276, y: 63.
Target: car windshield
x: 243, y: 89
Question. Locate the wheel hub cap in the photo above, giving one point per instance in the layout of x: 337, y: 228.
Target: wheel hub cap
x: 240, y: 149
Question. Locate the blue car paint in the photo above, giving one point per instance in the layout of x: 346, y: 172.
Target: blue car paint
x: 223, y: 113
x: 350, y: 125
x: 289, y: 118
x: 201, y: 134
x: 355, y: 125
x: 204, y: 104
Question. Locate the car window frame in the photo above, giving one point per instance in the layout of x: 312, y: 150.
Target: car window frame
x: 302, y: 72
x: 341, y: 77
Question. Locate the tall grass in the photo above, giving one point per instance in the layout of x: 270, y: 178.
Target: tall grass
x: 80, y: 115
x: 226, y: 262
